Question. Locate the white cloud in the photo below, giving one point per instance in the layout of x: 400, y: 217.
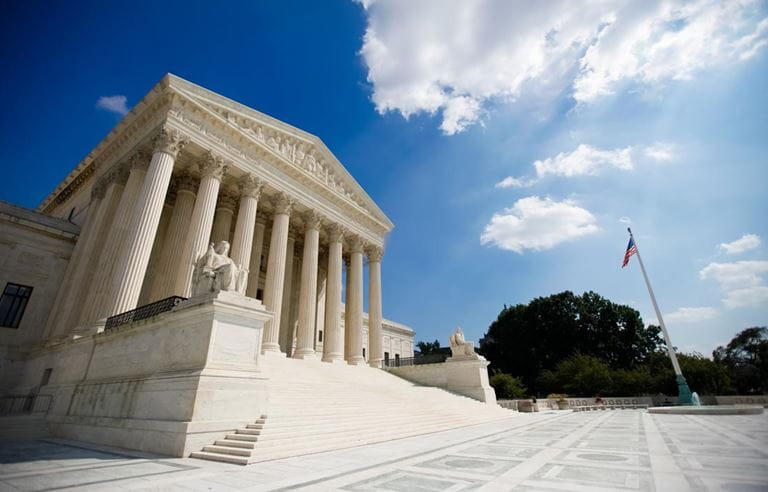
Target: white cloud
x: 538, y: 224
x: 625, y: 220
x: 741, y: 281
x: 749, y: 296
x: 115, y: 104
x: 585, y: 160
x: 744, y: 243
x: 454, y: 56
x: 660, y: 151
x: 691, y: 314
x: 511, y: 182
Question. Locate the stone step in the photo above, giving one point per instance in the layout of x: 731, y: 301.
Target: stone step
x: 299, y: 449
x: 242, y: 437
x: 272, y: 429
x: 235, y: 443
x: 226, y: 458
x: 227, y: 450
x: 361, y: 432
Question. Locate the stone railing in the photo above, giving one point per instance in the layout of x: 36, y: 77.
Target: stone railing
x: 632, y: 402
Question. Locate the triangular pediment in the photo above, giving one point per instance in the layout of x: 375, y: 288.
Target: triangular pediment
x: 294, y: 146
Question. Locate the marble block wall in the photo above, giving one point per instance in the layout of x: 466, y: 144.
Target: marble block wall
x: 467, y: 377
x: 168, y: 385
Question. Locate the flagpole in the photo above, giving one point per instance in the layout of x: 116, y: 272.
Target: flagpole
x: 684, y: 392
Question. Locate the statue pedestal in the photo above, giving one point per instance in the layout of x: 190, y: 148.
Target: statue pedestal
x: 169, y: 384
x: 468, y: 376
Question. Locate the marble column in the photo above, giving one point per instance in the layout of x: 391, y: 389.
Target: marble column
x: 273, y: 289
x: 250, y: 189
x: 254, y: 271
x: 355, y: 306
x: 174, y: 238
x: 305, y: 346
x: 286, y: 330
x: 134, y: 258
x: 100, y: 294
x: 212, y: 169
x: 222, y: 219
x: 112, y: 189
x: 322, y: 280
x: 150, y: 277
x: 375, y: 350
x: 55, y: 327
x: 333, y: 339
x: 347, y: 312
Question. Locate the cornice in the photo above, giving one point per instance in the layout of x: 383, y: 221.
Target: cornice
x: 294, y: 145
x: 298, y: 163
x: 141, y: 121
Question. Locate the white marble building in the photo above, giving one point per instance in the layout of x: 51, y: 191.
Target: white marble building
x: 184, y: 168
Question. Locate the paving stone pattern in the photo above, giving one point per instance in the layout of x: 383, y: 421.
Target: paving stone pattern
x: 620, y: 450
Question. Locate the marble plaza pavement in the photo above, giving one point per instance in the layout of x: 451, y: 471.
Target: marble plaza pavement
x: 550, y: 451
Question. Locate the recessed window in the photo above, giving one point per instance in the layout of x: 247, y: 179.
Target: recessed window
x: 320, y: 335
x: 363, y: 352
x: 13, y: 303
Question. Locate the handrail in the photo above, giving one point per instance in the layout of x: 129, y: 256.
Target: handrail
x: 416, y: 361
x: 16, y: 404
x: 143, y: 312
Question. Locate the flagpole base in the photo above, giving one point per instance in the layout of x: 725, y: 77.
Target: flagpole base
x: 685, y: 397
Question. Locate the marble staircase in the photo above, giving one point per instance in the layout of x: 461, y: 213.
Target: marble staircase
x: 316, y: 407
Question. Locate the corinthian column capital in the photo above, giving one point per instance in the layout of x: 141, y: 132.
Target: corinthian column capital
x: 375, y: 253
x: 212, y: 165
x: 335, y: 233
x: 99, y: 189
x: 186, y: 183
x: 312, y: 220
x: 356, y: 244
x: 250, y: 186
x: 140, y: 160
x: 169, y: 141
x: 227, y: 200
x: 283, y: 204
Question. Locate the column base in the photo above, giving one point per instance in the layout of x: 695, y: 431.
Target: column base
x: 357, y: 361
x: 273, y: 352
x: 334, y: 359
x: 377, y: 363
x: 308, y: 355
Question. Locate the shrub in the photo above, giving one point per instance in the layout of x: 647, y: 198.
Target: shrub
x: 507, y: 387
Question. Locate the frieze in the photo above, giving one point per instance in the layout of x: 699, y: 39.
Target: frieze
x: 300, y: 153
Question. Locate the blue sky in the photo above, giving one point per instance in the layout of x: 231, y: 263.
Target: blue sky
x: 653, y: 113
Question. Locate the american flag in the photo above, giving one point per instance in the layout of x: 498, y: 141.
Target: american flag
x: 631, y: 249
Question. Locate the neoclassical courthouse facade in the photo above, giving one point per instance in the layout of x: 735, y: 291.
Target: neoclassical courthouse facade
x: 184, y: 169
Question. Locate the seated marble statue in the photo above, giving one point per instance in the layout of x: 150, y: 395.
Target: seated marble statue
x: 459, y: 346
x: 216, y: 271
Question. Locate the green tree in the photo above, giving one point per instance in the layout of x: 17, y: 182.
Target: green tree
x: 507, y: 387
x: 746, y: 357
x: 527, y: 339
x: 427, y: 348
x: 578, y: 375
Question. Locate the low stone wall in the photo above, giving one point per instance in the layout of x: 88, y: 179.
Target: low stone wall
x: 464, y: 376
x: 649, y: 401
